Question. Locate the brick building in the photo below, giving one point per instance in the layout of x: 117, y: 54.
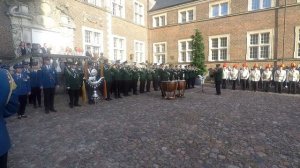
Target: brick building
x: 234, y: 31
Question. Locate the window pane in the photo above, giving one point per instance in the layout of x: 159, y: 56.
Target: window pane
x: 163, y: 20
x: 163, y: 48
x: 183, y: 17
x: 255, y: 4
x: 299, y: 50
x: 183, y: 46
x: 157, y: 48
x: 183, y: 56
x: 224, y: 42
x: 223, y: 54
x: 265, y: 38
x: 189, y: 56
x: 253, y: 52
x: 254, y: 39
x: 266, y: 3
x: 214, y: 55
x: 215, y: 10
x: 191, y: 15
x: 214, y: 43
x: 97, y: 38
x: 224, y: 9
x: 190, y: 45
x: 156, y: 21
x: 163, y: 57
x: 88, y: 36
x: 264, y: 52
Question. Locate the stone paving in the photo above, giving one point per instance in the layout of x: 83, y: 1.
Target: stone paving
x: 239, y: 129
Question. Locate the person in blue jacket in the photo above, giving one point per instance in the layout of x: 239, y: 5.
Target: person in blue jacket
x: 6, y: 86
x: 48, y: 84
x: 35, y: 83
x: 23, y: 89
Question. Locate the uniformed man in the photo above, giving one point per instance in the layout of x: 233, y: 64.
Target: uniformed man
x: 255, y: 77
x: 135, y: 78
x: 23, y: 89
x: 35, y: 79
x: 142, y: 74
x: 48, y: 84
x: 293, y: 78
x: 155, y: 76
x: 218, y: 78
x: 116, y: 80
x: 108, y: 79
x: 148, y: 78
x: 234, y: 73
x: 224, y: 76
x: 7, y: 99
x: 73, y: 84
x: 244, y: 75
x: 279, y: 78
x: 187, y: 77
x: 267, y: 78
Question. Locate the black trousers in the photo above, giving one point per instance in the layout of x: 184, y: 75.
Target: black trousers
x: 36, y: 96
x: 23, y: 103
x: 218, y: 87
x: 243, y: 84
x: 49, y: 98
x: 155, y: 84
x: 234, y: 84
x: 254, y: 85
x: 187, y: 83
x: 266, y: 86
x: 278, y: 87
x: 117, y: 88
x: 125, y: 84
x: 73, y: 96
x: 247, y: 84
x: 292, y: 87
x: 224, y: 83
x: 193, y: 80
x: 108, y: 89
x: 148, y: 85
x: 134, y: 86
x: 89, y: 92
x: 142, y: 86
x: 3, y: 161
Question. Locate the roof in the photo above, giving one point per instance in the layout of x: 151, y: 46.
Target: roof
x: 161, y: 4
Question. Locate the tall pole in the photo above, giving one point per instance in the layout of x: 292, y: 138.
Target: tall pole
x: 283, y: 36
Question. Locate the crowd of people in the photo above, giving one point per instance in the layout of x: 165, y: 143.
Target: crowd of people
x: 258, y: 78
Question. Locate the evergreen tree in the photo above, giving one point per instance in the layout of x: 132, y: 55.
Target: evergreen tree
x: 198, y: 52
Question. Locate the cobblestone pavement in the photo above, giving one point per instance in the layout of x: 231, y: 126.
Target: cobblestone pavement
x: 237, y: 129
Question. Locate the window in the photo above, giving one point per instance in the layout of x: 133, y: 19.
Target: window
x: 159, y: 50
x: 219, y: 48
x: 159, y: 20
x: 92, y: 38
x: 187, y: 15
x: 118, y: 8
x: 119, y: 48
x: 139, y: 49
x: 259, y: 4
x: 297, y: 42
x: 185, y: 50
x: 219, y: 9
x: 259, y: 45
x: 138, y: 13
x: 93, y: 2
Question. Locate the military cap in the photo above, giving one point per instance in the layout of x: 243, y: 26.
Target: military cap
x: 4, y: 66
x: 34, y: 63
x: 25, y: 63
x: 17, y: 66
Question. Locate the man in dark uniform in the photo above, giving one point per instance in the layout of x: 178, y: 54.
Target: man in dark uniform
x: 142, y: 74
x: 48, y: 84
x: 135, y: 78
x: 73, y: 84
x: 218, y: 78
x: 108, y: 79
x: 35, y: 79
x: 7, y: 85
x: 155, y: 76
x: 148, y: 79
x: 187, y: 77
x: 116, y: 80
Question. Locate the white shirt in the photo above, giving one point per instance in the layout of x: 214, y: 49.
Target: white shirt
x: 267, y: 75
x: 255, y: 75
x: 244, y: 74
x: 280, y: 75
x: 293, y: 75
x: 225, y: 73
x: 234, y: 74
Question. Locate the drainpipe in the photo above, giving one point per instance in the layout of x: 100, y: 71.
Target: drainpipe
x: 276, y: 33
x: 283, y: 36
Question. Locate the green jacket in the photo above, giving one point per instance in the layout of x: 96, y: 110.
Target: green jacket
x: 108, y: 74
x: 142, y: 73
x: 73, y: 78
x: 218, y: 75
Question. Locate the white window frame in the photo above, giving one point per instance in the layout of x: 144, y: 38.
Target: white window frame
x: 137, y: 13
x: 220, y: 11
x: 260, y: 5
x: 122, y: 13
x: 92, y: 43
x: 271, y: 31
x: 186, y: 50
x: 124, y: 47
x: 297, y: 42
x: 161, y: 53
x: 137, y: 52
x: 186, y: 15
x: 219, y: 47
x: 159, y: 20
x: 94, y: 2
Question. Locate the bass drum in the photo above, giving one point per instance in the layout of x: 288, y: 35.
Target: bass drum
x: 169, y: 89
x: 181, y: 88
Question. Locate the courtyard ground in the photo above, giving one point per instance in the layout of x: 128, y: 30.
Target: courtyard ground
x: 239, y: 129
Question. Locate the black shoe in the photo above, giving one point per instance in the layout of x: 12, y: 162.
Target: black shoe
x: 24, y: 116
x: 120, y: 97
x: 53, y: 110
x: 34, y: 106
x: 19, y: 116
x: 77, y: 105
x: 40, y: 106
x: 71, y: 105
x: 47, y: 111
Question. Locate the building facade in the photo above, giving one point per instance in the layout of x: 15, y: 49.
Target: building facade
x: 234, y: 31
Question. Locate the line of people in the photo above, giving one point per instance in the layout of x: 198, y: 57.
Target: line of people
x: 262, y: 79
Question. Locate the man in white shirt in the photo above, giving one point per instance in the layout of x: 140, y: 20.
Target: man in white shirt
x: 292, y: 78
x: 279, y: 78
x: 255, y: 77
x: 234, y: 73
x: 267, y: 77
x: 244, y: 75
x: 225, y: 76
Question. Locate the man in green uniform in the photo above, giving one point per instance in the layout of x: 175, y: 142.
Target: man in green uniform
x: 73, y: 83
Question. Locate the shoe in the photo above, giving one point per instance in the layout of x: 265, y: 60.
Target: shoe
x: 47, y: 111
x: 53, y: 110
x: 70, y: 105
x: 35, y: 106
x: 19, y: 116
x: 77, y: 105
x: 24, y: 116
x: 120, y: 97
x: 40, y: 106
